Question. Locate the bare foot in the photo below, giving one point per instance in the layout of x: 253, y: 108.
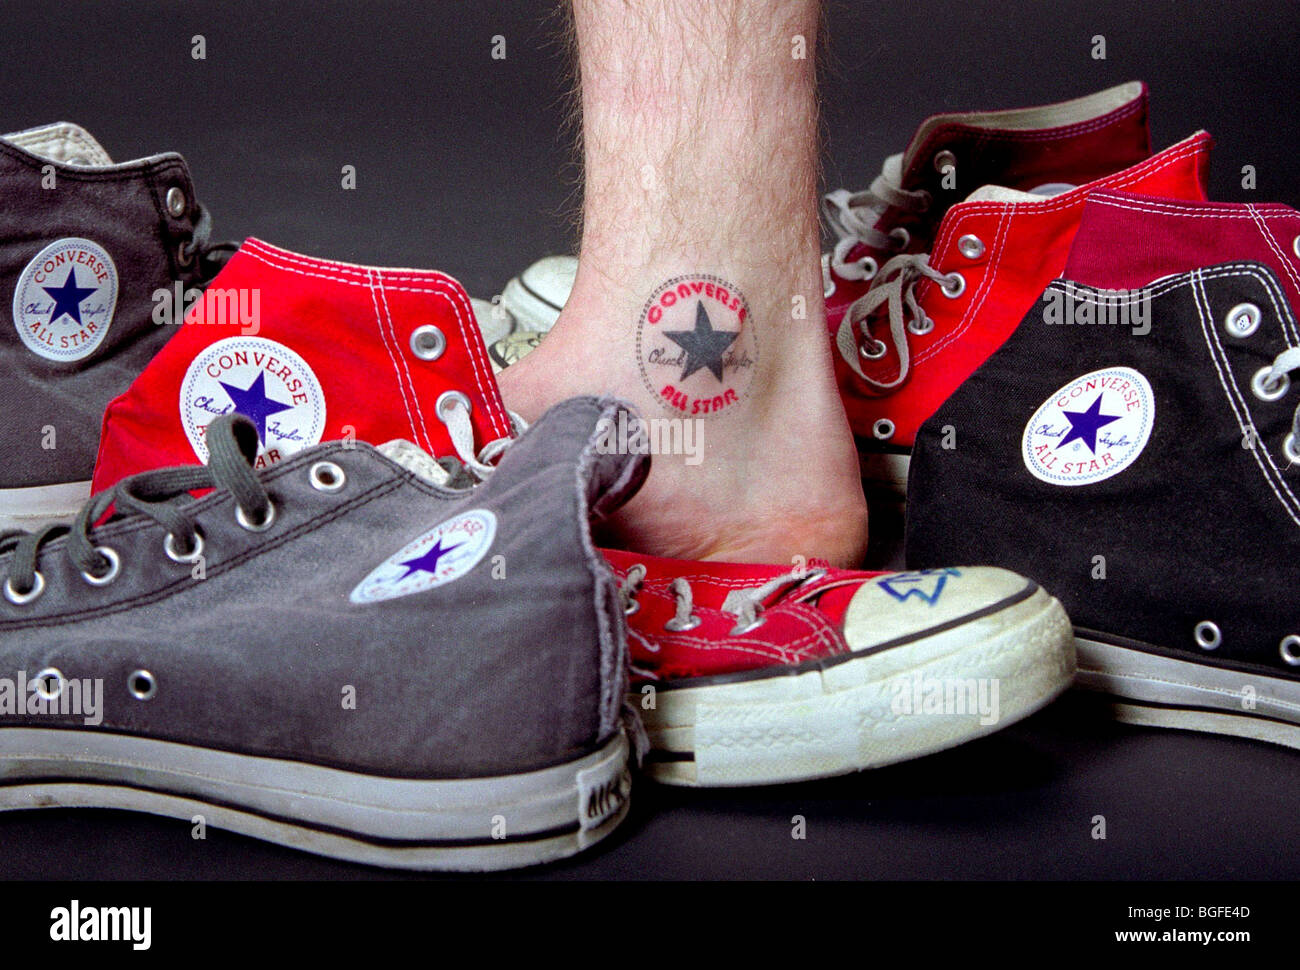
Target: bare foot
x: 698, y: 295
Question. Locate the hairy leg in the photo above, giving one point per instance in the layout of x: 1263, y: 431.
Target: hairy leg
x: 698, y: 294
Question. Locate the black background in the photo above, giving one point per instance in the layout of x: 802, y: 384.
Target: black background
x: 465, y: 164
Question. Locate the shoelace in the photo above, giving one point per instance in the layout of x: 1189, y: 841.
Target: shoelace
x: 745, y: 604
x: 854, y: 217
x: 210, y: 257
x: 1273, y: 382
x: 894, y: 288
x: 454, y: 412
x: 232, y: 444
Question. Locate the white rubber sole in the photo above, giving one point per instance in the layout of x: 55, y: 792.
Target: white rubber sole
x: 846, y: 716
x: 40, y: 505
x: 472, y: 824
x: 1159, y: 691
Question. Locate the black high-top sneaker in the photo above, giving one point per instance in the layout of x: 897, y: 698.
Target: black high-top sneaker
x: 1138, y: 453
x: 85, y: 244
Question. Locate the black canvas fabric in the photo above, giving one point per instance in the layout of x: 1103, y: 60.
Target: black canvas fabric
x: 123, y: 209
x: 1200, y: 527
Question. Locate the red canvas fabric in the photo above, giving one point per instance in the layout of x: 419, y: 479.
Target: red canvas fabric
x: 798, y: 625
x: 1127, y: 240
x: 1026, y: 245
x: 1020, y: 159
x: 349, y: 325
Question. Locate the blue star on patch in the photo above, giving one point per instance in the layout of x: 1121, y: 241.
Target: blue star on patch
x: 427, y: 563
x: 254, y: 403
x: 1084, y: 425
x: 68, y: 297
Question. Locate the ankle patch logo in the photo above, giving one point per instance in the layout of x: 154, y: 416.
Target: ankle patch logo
x: 694, y: 349
x: 261, y: 379
x: 1091, y: 429
x: 65, y: 298
x: 442, y: 555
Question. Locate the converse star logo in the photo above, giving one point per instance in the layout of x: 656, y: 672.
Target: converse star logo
x: 65, y: 299
x: 924, y: 584
x: 261, y: 379
x: 703, y: 345
x: 694, y: 350
x: 1091, y: 429
x: 442, y: 555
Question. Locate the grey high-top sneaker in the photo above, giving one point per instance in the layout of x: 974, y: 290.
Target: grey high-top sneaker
x: 357, y: 652
x: 85, y: 244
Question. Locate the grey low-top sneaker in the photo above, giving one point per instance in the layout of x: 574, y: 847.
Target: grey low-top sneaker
x: 358, y: 652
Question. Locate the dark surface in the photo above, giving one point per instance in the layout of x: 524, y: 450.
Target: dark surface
x: 462, y: 165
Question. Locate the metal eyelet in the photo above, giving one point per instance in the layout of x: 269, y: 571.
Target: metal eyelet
x: 1242, y: 320
x: 873, y: 350
x: 246, y: 523
x: 954, y: 286
x: 903, y: 237
x: 428, y: 342
x: 737, y: 630
x: 49, y: 673
x: 869, y: 267
x: 184, y: 258
x: 1259, y: 384
x: 921, y: 325
x: 1208, y: 636
x: 175, y: 555
x: 883, y: 429
x: 1290, y: 649
x: 971, y: 246
x: 176, y: 202
x: 1289, y: 448
x: 327, y: 477
x: 448, y: 399
x: 944, y: 159
x: 631, y: 606
x: 114, y: 568
x: 142, y: 685
x: 1295, y: 246
x: 681, y: 626
x: 22, y: 599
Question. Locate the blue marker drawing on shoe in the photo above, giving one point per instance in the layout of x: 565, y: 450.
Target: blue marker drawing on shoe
x: 924, y: 584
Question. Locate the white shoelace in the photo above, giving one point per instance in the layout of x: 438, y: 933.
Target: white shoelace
x: 745, y: 604
x: 854, y: 217
x: 895, y: 288
x: 461, y: 431
x: 1274, y: 381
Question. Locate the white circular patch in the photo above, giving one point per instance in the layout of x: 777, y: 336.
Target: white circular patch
x: 261, y: 379
x: 65, y: 298
x: 443, y: 554
x: 1091, y: 429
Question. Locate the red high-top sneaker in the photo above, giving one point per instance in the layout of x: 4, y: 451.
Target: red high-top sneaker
x: 930, y: 319
x: 1043, y: 149
x: 1125, y: 240
x: 311, y: 350
x: 751, y: 675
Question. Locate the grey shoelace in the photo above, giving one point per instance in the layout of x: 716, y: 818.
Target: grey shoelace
x: 232, y: 445
x: 207, y: 257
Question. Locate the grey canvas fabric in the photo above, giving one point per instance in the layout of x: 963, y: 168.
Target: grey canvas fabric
x: 124, y: 209
x: 516, y: 665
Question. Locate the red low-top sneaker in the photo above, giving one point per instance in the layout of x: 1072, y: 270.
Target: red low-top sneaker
x: 751, y: 675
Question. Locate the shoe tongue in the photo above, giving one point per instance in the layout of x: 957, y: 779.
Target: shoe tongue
x: 1000, y: 193
x: 61, y: 142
